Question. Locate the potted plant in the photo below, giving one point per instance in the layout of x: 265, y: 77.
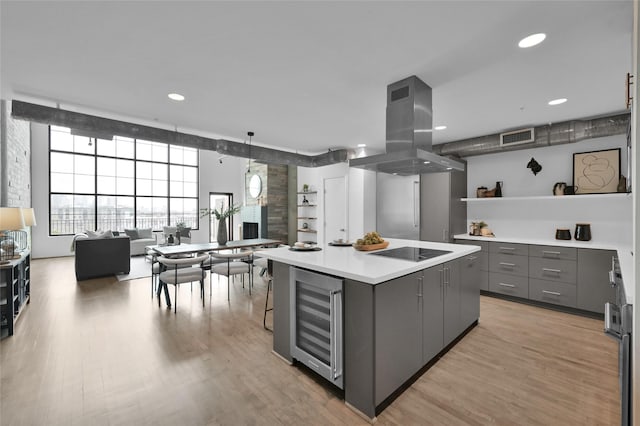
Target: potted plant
x: 221, y: 215
x: 305, y: 187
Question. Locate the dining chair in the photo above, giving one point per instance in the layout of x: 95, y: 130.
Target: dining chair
x: 179, y: 271
x: 238, y: 263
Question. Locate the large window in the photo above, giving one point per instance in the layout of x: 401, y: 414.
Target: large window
x: 120, y: 183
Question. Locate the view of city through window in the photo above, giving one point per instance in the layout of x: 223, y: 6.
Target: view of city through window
x: 98, y: 184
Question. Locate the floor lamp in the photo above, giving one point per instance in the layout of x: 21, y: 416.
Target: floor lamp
x: 10, y: 220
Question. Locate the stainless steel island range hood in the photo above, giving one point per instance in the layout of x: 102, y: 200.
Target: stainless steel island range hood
x: 409, y: 128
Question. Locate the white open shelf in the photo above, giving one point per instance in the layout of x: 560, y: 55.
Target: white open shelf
x: 548, y: 197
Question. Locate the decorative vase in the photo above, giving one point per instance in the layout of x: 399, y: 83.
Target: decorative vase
x: 498, y: 192
x: 222, y: 232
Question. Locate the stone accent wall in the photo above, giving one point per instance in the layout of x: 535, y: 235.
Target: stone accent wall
x: 274, y: 195
x: 15, y: 159
x: 278, y: 210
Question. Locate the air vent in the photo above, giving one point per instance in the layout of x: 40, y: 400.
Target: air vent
x: 517, y: 137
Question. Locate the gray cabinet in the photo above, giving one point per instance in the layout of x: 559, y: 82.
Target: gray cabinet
x: 442, y: 213
x: 432, y: 312
x: 452, y: 324
x: 398, y: 346
x: 593, y: 288
x: 470, y: 268
x: 481, y: 275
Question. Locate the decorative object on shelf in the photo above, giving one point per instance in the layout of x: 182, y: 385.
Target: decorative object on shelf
x: 622, y: 184
x: 11, y: 219
x: 563, y: 234
x: 305, y: 225
x: 480, y: 191
x: 534, y: 166
x: 596, y: 172
x: 498, y: 189
x: 304, y: 200
x: 583, y: 232
x: 222, y: 236
x: 558, y: 188
x: 476, y: 227
x: 170, y: 240
x: 305, y: 187
x: 570, y: 190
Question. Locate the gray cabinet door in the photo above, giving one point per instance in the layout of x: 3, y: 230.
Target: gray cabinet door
x: 435, y: 207
x: 470, y: 279
x: 442, y: 213
x: 432, y: 313
x: 452, y: 324
x: 398, y: 343
x: 593, y: 286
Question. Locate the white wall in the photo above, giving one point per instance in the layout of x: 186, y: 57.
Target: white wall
x: 214, y: 177
x: 518, y: 181
x: 361, y: 197
x: 610, y: 218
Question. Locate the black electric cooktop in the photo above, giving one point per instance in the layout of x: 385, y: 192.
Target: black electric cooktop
x: 411, y: 253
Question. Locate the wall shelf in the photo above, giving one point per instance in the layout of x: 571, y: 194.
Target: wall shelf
x: 307, y: 205
x: 308, y: 192
x: 309, y: 231
x: 307, y: 217
x: 548, y: 197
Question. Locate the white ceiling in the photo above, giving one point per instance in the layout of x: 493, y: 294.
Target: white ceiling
x: 312, y: 76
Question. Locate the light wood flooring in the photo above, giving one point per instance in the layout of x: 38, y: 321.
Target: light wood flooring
x: 101, y: 352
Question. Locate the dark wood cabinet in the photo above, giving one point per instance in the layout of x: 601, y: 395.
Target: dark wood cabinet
x: 15, y: 292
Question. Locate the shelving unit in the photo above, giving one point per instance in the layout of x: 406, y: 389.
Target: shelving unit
x: 15, y: 292
x: 307, y: 214
x: 547, y: 197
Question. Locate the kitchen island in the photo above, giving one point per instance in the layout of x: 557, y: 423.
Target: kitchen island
x: 399, y: 315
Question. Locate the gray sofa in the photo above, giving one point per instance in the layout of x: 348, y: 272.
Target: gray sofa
x: 98, y: 257
x: 140, y: 238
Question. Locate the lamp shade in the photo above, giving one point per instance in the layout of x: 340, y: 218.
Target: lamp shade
x: 11, y: 219
x: 29, y: 216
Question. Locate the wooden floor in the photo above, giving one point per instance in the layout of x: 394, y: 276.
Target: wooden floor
x: 101, y: 352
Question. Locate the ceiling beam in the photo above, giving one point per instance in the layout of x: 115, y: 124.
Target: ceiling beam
x: 91, y: 124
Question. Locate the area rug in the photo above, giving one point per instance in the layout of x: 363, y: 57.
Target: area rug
x: 140, y: 268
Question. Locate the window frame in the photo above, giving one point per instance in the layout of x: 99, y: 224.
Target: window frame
x: 96, y: 195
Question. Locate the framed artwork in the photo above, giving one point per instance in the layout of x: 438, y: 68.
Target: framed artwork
x: 596, y: 172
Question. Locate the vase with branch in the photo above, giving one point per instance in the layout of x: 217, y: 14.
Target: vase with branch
x: 222, y: 215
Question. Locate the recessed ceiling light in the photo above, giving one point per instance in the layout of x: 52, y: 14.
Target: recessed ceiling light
x: 449, y: 168
x: 532, y: 40
x: 440, y: 127
x: 175, y: 97
x: 558, y: 101
x: 362, y: 145
x: 427, y: 162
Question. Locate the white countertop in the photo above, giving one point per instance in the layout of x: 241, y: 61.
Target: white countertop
x: 625, y: 254
x: 362, y: 266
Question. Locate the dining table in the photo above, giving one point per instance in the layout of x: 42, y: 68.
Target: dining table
x: 173, y: 250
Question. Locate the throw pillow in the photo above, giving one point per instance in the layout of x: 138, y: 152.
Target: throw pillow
x: 93, y: 234
x: 132, y: 233
x: 145, y: 233
x: 106, y: 234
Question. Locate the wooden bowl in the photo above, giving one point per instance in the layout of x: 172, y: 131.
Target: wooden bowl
x: 369, y: 247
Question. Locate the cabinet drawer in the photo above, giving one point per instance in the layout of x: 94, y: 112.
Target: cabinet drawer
x: 553, y: 270
x: 552, y: 252
x: 509, y: 264
x: 553, y: 292
x: 509, y: 248
x: 509, y: 284
x: 483, y: 255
